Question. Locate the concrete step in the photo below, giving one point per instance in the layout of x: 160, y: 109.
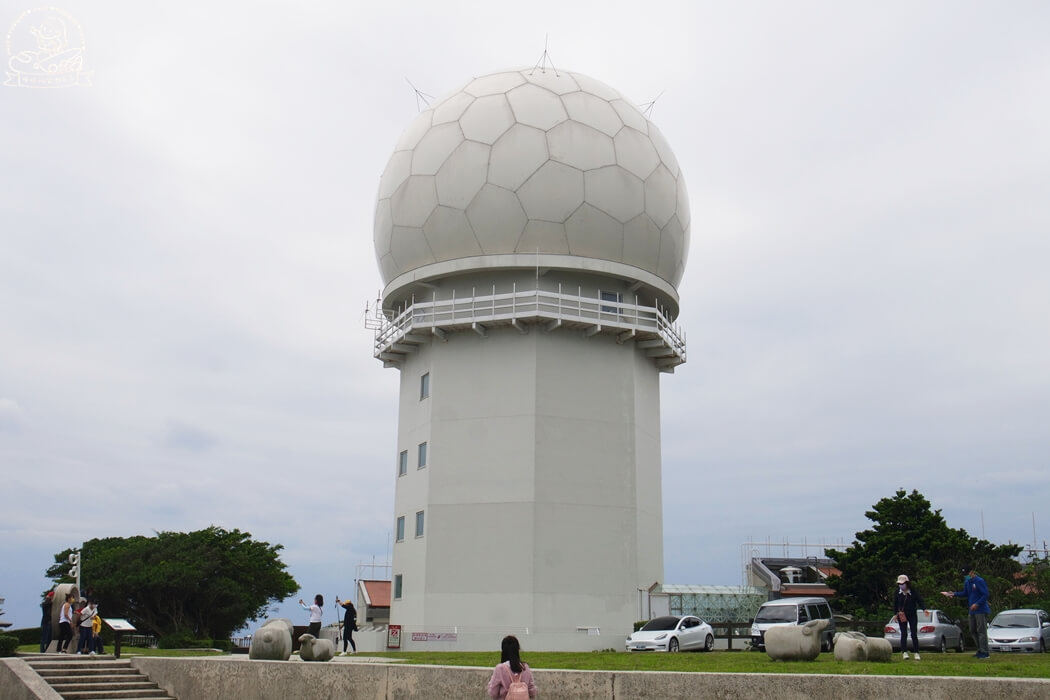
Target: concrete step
x: 62, y: 672
x: 101, y: 677
x: 70, y: 686
x: 115, y: 695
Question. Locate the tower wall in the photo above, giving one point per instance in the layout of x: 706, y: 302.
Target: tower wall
x: 541, y: 493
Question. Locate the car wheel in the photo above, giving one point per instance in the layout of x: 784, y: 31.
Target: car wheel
x: 709, y: 643
x: 944, y: 645
x: 825, y: 644
x: 672, y: 646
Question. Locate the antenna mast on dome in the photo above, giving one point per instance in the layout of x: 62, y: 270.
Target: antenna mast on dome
x: 420, y: 96
x: 544, y: 58
x: 647, y: 107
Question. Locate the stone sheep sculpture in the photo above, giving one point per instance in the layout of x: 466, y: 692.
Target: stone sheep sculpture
x: 849, y: 648
x: 795, y: 643
x: 874, y: 648
x: 272, y: 641
x: 879, y: 649
x: 313, y: 649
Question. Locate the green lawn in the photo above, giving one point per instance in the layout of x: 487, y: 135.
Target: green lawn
x: 951, y: 664
x: 126, y: 651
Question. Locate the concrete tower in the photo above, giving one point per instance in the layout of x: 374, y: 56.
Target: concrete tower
x: 531, y: 229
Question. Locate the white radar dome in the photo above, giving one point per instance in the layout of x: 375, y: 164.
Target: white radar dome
x: 527, y: 162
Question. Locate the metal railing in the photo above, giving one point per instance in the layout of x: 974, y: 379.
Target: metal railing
x: 532, y: 306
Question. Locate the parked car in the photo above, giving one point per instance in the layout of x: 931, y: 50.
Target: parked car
x: 937, y: 631
x: 1019, y: 630
x: 673, y: 633
x: 792, y: 611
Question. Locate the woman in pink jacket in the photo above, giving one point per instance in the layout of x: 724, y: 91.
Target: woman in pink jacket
x: 510, y: 669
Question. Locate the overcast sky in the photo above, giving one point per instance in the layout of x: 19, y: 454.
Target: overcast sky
x: 186, y: 254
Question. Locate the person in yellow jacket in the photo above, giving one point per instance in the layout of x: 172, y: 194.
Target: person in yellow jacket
x: 96, y: 634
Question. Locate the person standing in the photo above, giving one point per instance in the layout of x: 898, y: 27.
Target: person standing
x: 906, y: 605
x: 510, y: 670
x: 45, y: 621
x: 65, y: 625
x: 96, y: 632
x: 315, y: 615
x: 975, y: 590
x: 349, y: 624
x: 87, y: 619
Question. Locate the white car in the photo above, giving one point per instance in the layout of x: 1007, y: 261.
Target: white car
x: 936, y: 630
x: 673, y: 633
x: 1019, y: 630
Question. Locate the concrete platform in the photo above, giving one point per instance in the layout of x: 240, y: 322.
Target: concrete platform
x: 361, y: 677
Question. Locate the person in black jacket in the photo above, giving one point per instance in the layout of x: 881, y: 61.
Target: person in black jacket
x: 45, y: 621
x: 349, y: 624
x: 906, y: 605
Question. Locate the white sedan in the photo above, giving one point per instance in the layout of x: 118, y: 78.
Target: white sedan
x: 673, y: 633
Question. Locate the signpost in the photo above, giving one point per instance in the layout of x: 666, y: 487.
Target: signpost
x: 119, y: 625
x: 393, y: 637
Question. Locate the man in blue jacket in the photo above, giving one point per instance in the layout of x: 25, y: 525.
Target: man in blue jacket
x: 975, y: 590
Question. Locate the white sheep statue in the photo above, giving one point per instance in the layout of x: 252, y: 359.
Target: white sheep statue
x: 272, y: 641
x: 879, y: 649
x: 849, y: 648
x: 874, y: 648
x: 313, y: 649
x: 795, y: 643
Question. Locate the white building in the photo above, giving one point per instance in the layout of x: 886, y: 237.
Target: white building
x: 531, y: 229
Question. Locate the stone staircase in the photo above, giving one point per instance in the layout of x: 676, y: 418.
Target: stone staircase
x: 78, y: 677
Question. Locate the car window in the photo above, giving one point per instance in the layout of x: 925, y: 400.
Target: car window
x: 775, y: 613
x: 661, y: 624
x: 1015, y: 619
x: 824, y: 611
x: 803, y: 616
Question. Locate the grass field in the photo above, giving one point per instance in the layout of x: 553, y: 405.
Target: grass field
x: 1003, y: 665
x: 951, y: 664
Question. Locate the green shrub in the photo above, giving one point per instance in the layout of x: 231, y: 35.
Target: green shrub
x: 28, y: 635
x: 638, y: 625
x: 222, y: 644
x: 8, y: 644
x: 183, y: 641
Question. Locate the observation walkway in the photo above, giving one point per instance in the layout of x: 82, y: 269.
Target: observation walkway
x: 647, y: 326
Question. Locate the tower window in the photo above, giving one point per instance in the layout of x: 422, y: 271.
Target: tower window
x: 422, y: 455
x: 397, y: 586
x: 424, y: 386
x: 402, y: 463
x: 611, y: 296
x: 401, y: 528
x: 419, y: 523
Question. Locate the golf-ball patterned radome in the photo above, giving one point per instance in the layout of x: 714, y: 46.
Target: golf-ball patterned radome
x: 532, y: 162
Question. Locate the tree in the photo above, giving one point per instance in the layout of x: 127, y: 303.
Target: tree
x: 908, y: 537
x: 204, y: 584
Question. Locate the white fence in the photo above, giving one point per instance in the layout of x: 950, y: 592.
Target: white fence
x: 604, y: 313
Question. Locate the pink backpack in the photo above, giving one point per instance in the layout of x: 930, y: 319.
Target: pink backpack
x: 517, y: 690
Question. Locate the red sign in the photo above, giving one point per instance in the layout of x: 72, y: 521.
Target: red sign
x: 434, y: 636
x: 393, y: 637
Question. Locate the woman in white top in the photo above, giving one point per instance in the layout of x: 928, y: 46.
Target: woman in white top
x: 315, y: 614
x: 87, y: 619
x: 65, y: 625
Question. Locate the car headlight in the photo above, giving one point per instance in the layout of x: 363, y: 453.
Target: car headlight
x: 1029, y: 638
x: 662, y: 636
